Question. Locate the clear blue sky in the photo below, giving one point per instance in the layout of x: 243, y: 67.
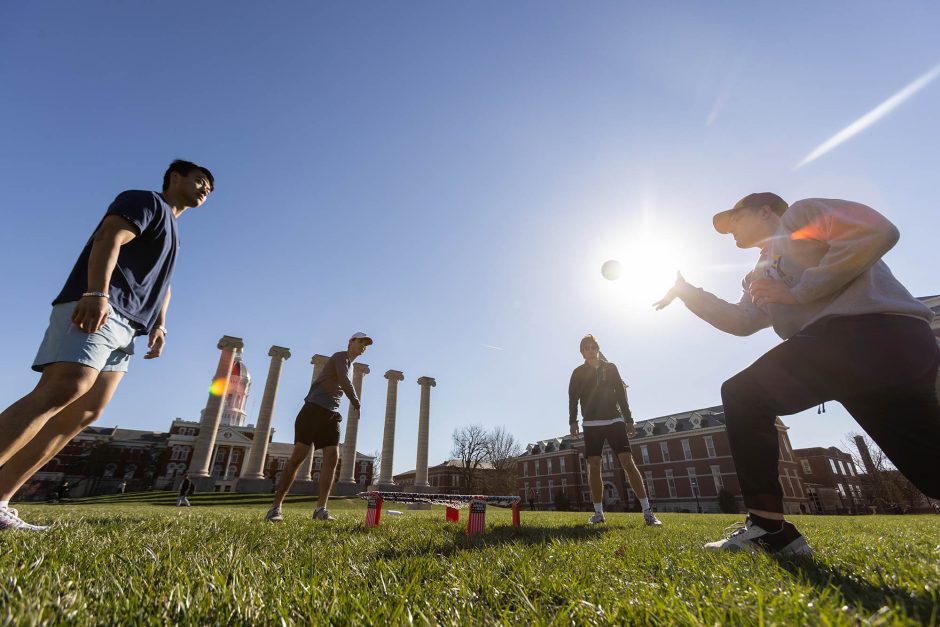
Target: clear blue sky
x: 449, y: 177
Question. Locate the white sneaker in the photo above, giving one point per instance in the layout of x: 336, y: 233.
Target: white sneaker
x: 322, y: 513
x: 748, y: 536
x: 274, y: 515
x: 650, y: 518
x: 597, y: 518
x: 10, y: 520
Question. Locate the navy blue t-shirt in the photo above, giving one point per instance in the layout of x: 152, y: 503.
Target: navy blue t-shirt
x: 141, y: 276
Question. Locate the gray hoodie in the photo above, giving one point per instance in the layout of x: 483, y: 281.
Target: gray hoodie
x: 828, y: 252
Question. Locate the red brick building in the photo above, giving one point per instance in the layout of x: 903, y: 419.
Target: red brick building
x: 448, y: 477
x: 684, y: 458
x: 831, y: 481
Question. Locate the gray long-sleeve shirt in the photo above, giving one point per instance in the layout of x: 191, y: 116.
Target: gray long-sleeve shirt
x: 327, y: 389
x: 828, y: 252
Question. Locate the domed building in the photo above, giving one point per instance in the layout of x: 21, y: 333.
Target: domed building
x: 236, y: 395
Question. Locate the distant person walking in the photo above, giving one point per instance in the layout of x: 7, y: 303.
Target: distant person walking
x: 317, y: 426
x: 597, y: 385
x: 187, y: 487
x: 852, y: 333
x: 118, y: 289
x: 122, y: 486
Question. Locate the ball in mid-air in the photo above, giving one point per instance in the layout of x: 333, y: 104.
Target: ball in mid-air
x: 611, y: 270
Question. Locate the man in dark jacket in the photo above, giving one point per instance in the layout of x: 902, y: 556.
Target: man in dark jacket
x: 187, y: 487
x: 598, y: 386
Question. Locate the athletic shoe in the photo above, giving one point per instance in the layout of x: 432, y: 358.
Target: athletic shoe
x: 322, y: 513
x: 10, y: 520
x: 650, y: 518
x: 274, y: 515
x: 748, y: 536
x: 597, y: 518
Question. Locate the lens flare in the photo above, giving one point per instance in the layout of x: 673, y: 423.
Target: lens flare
x: 217, y: 388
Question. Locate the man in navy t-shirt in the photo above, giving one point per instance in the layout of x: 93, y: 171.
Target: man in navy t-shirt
x: 118, y: 289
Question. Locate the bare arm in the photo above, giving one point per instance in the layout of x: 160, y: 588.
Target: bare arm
x: 157, y: 338
x: 91, y: 312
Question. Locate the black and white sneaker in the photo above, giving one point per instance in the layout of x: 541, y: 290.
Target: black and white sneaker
x: 9, y: 519
x: 650, y: 519
x: 748, y: 536
x: 274, y: 515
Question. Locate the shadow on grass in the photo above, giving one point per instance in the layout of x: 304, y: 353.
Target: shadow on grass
x: 861, y: 594
x: 498, y: 535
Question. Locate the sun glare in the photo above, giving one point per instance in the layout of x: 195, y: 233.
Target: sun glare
x: 647, y: 269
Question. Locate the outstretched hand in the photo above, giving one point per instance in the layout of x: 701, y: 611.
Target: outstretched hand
x: 671, y: 294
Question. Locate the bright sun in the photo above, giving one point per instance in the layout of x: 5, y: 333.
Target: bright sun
x: 647, y: 268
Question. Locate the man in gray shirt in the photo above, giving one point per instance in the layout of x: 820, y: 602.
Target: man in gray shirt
x: 317, y: 426
x: 852, y: 333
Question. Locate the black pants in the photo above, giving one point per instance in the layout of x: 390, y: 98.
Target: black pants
x: 882, y: 368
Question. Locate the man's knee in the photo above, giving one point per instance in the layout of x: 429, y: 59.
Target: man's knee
x: 62, y: 384
x: 299, y: 453
x: 330, y: 456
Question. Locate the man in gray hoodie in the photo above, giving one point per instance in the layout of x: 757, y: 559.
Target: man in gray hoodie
x: 852, y: 333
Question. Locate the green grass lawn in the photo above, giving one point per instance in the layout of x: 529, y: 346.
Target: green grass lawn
x: 136, y: 559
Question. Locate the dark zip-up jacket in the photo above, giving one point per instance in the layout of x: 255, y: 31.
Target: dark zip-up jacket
x: 600, y: 391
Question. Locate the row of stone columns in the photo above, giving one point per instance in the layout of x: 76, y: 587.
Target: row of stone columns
x: 200, y: 466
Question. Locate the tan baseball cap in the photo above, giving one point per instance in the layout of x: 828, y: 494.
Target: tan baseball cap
x: 778, y: 205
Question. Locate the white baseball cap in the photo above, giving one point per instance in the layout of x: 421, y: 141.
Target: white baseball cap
x: 359, y: 335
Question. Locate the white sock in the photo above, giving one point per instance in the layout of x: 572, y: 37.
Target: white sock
x: 645, y: 504
x: 4, y: 504
x: 599, y: 508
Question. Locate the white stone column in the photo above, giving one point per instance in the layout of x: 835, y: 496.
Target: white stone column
x: 306, y: 468
x: 200, y: 468
x: 388, y: 439
x: 254, y: 465
x: 424, y: 420
x: 347, y: 471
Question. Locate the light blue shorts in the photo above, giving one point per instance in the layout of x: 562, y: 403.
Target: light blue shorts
x: 107, y: 350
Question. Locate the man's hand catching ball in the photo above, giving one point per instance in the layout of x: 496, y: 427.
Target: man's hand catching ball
x: 671, y: 294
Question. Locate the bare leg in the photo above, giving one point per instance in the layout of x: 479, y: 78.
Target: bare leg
x: 60, y: 385
x: 633, y: 474
x: 327, y: 470
x: 290, y: 472
x: 594, y: 479
x: 57, y: 432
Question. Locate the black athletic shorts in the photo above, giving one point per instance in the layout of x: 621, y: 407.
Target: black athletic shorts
x: 615, y: 434
x: 316, y: 425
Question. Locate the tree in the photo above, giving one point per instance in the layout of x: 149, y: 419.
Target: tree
x: 470, y: 449
x: 883, y: 485
x: 502, y: 449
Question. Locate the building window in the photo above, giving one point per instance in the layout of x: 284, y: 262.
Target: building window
x: 716, y: 476
x: 525, y: 491
x: 851, y: 468
x: 842, y: 470
x: 564, y: 486
x: 561, y: 465
x: 664, y: 449
x: 671, y: 482
x: 538, y: 490
x: 841, y: 490
x: 525, y: 469
x: 693, y: 479
x: 710, y: 446
x: 650, y: 486
x: 535, y: 465
x: 807, y: 468
x: 548, y: 466
x: 686, y: 449
x: 832, y: 463
x: 236, y: 455
x: 645, y: 454
x: 280, y: 463
x: 551, y: 489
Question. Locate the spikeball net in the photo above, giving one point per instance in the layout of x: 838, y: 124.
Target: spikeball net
x: 476, y: 520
